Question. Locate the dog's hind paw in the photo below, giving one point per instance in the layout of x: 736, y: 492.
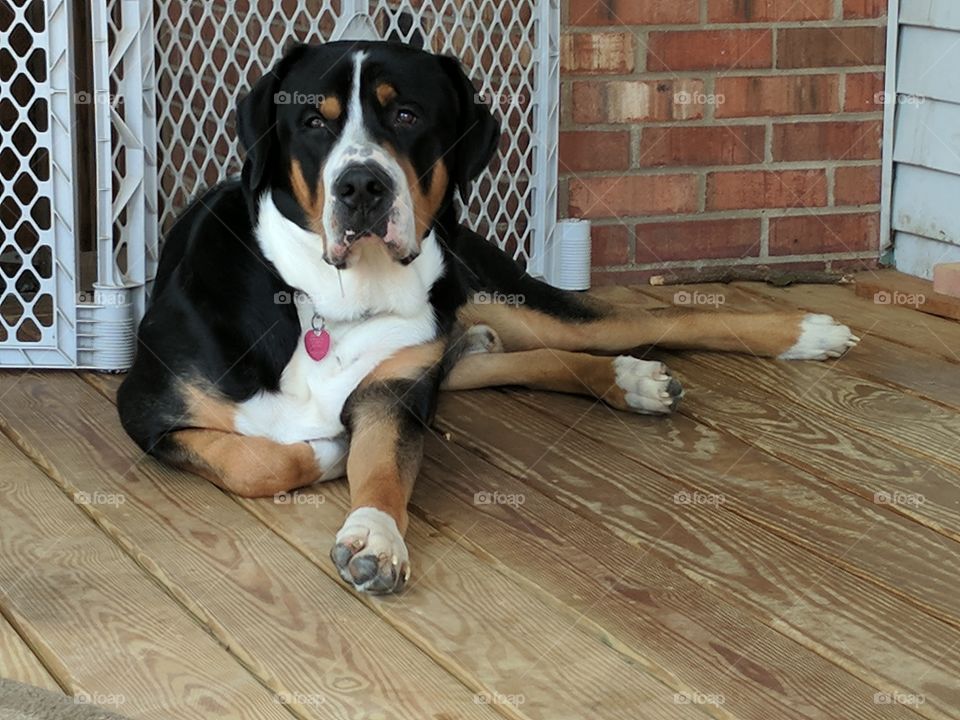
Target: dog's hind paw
x: 370, y: 554
x: 821, y: 337
x: 481, y: 339
x: 644, y: 387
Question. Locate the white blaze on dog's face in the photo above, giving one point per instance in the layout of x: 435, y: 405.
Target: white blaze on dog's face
x: 367, y: 195
x: 364, y: 144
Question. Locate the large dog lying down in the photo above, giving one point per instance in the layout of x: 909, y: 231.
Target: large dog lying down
x: 354, y: 156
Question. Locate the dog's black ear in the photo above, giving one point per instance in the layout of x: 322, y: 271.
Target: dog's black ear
x: 478, y: 131
x: 256, y: 120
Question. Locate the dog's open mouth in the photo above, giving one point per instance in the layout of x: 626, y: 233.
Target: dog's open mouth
x: 384, y: 237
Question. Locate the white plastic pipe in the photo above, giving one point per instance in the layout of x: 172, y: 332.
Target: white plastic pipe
x: 572, y: 255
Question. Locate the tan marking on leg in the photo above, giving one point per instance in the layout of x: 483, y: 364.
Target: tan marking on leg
x: 330, y: 107
x: 381, y: 473
x: 621, y: 328
x: 408, y: 363
x: 386, y: 93
x: 553, y: 370
x: 625, y: 383
x: 309, y: 198
x: 246, y: 466
x: 205, y: 410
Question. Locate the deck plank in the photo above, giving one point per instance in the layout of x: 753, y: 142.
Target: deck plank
x: 916, y: 371
x: 865, y: 596
x: 876, y: 542
x: 18, y: 662
x: 98, y: 621
x: 569, y: 448
x: 646, y: 596
x: 889, y: 444
x: 453, y: 595
x: 302, y: 634
x: 834, y: 403
x: 510, y: 641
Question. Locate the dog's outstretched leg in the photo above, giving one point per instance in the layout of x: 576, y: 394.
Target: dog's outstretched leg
x: 587, y: 324
x: 625, y: 383
x: 386, y: 418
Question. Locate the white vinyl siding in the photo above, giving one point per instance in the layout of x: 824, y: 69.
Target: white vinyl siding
x: 924, y: 205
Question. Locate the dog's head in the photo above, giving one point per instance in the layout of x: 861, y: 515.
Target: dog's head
x: 364, y: 143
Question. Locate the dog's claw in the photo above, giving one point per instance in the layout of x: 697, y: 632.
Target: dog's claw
x: 369, y: 552
x: 648, y: 386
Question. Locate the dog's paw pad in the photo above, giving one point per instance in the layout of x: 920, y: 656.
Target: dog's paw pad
x: 821, y: 337
x: 648, y: 387
x: 369, y: 552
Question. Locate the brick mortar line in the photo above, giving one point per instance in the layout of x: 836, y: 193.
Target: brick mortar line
x: 768, y: 142
x: 738, y: 260
x: 772, y: 166
x: 706, y: 25
x: 744, y: 214
x: 719, y: 72
x: 764, y: 236
x: 730, y: 122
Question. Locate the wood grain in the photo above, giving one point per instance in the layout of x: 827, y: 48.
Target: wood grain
x: 296, y: 630
x: 916, y: 371
x: 646, y: 592
x: 736, y: 556
x: 921, y: 439
x: 476, y: 623
x: 98, y: 621
x: 18, y: 662
x: 503, y: 639
x: 876, y: 542
x: 890, y: 284
x: 797, y: 595
x: 932, y: 335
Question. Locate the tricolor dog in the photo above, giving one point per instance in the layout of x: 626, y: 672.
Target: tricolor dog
x: 305, y: 317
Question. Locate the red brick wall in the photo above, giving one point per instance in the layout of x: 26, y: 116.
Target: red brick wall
x: 723, y: 132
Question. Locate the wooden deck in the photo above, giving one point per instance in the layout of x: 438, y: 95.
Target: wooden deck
x: 786, y: 546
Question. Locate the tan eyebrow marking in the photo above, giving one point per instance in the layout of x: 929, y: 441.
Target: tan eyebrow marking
x: 330, y: 107
x: 385, y: 93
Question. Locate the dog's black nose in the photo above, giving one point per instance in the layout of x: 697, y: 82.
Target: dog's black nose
x: 362, y: 187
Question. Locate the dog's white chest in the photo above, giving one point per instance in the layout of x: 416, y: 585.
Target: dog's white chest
x: 313, y: 392
x: 370, y: 313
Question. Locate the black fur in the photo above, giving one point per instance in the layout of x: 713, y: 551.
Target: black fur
x: 214, y: 320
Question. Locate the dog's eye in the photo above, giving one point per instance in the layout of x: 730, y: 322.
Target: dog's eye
x: 405, y: 118
x: 315, y: 121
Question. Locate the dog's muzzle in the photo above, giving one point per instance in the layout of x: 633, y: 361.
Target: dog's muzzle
x: 365, y: 197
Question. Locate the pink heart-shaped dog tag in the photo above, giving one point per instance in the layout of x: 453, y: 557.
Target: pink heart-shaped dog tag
x: 317, y: 344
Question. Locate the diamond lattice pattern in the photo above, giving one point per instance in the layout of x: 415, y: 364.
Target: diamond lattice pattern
x: 208, y: 54
x: 26, y: 257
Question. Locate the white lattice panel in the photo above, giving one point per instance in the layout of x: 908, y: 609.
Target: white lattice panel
x: 157, y: 125
x: 125, y: 107
x: 37, y: 254
x: 207, y: 57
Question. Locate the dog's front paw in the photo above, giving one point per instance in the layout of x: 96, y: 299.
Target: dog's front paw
x: 370, y: 554
x: 821, y: 337
x: 645, y: 387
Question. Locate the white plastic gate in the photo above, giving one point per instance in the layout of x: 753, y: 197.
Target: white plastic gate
x: 163, y: 80
x: 38, y: 317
